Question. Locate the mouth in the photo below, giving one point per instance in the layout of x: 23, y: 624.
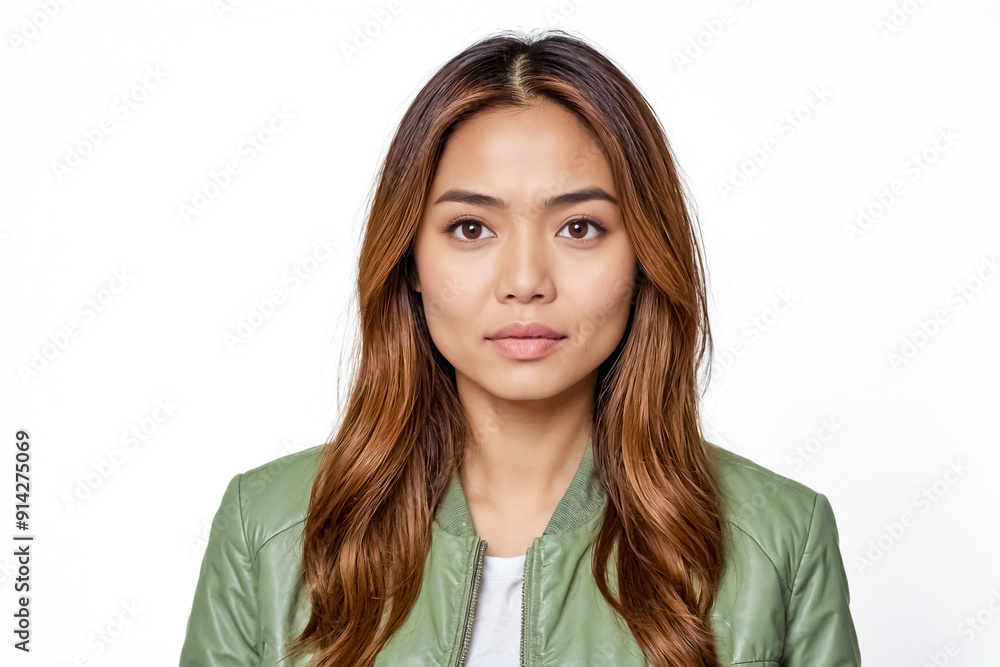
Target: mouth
x: 525, y: 348
x: 525, y: 337
x: 525, y: 331
x: 523, y: 341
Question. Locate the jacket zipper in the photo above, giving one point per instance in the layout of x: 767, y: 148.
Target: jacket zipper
x: 524, y: 603
x: 470, y: 608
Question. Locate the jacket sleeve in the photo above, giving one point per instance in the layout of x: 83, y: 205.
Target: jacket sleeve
x: 820, y: 631
x: 222, y: 630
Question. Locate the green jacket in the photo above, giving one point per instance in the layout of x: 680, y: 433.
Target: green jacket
x: 783, y: 600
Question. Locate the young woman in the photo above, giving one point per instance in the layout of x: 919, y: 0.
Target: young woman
x: 519, y: 476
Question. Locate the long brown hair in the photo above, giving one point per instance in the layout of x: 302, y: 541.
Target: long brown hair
x: 386, y: 467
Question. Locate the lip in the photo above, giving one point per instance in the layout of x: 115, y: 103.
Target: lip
x: 525, y: 330
x: 525, y: 348
x: 525, y: 340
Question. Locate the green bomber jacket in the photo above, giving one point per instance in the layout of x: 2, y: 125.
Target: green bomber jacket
x: 783, y: 600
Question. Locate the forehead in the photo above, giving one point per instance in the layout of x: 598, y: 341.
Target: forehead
x: 521, y: 149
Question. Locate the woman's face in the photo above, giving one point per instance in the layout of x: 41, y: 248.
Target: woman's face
x: 491, y: 250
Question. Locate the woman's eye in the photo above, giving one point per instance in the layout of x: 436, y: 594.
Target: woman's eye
x: 471, y: 230
x: 578, y: 229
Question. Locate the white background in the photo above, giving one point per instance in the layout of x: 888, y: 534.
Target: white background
x: 813, y: 392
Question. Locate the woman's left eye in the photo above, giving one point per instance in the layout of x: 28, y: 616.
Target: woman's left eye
x: 579, y: 226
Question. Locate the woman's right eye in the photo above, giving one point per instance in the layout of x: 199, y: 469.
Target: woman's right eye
x: 471, y: 230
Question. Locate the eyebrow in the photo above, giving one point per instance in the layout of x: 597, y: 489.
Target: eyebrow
x: 575, y: 197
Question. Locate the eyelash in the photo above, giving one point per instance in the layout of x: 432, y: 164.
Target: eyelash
x: 457, y: 222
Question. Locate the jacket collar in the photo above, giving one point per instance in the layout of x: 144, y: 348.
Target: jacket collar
x: 582, y: 501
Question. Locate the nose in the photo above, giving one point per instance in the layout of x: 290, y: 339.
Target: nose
x: 525, y: 266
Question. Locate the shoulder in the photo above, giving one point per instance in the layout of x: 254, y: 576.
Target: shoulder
x: 273, y: 498
x: 748, y: 486
x: 781, y: 516
x: 784, y: 593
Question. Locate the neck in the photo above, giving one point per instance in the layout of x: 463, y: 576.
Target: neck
x: 523, y: 454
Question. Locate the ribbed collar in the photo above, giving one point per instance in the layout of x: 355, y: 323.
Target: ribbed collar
x: 582, y: 501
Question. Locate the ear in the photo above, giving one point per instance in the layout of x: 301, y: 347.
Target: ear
x: 412, y: 276
x: 640, y: 276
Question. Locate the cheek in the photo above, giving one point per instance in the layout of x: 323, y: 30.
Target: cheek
x: 451, y: 300
x: 604, y: 303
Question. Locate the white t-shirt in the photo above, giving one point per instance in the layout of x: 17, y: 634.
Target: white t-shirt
x: 496, y: 632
